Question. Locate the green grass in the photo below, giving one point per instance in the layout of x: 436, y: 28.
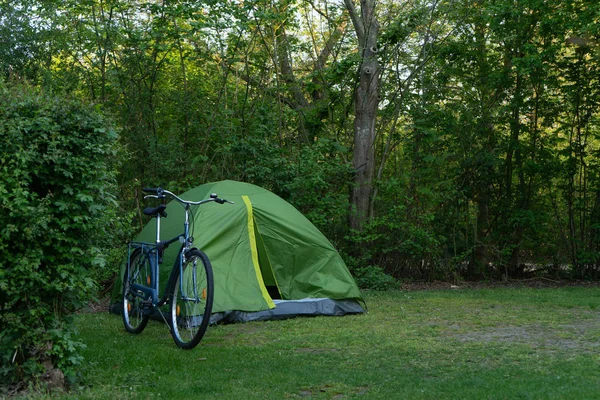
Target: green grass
x: 476, y: 344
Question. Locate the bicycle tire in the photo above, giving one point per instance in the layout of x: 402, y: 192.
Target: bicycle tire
x: 135, y: 318
x: 192, y: 300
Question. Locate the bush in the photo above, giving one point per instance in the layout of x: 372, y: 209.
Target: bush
x: 319, y: 187
x: 401, y: 247
x: 56, y: 185
x: 373, y: 277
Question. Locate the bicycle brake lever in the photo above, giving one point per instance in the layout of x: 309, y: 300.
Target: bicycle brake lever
x: 223, y: 201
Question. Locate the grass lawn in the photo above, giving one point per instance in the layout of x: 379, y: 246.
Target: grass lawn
x: 444, y: 344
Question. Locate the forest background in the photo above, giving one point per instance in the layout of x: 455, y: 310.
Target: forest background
x: 427, y: 139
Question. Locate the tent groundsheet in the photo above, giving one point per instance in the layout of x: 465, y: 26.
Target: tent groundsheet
x: 285, y: 309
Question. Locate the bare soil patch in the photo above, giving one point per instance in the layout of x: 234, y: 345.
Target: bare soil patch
x: 99, y: 305
x: 573, y: 336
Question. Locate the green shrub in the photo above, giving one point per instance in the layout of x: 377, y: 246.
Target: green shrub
x: 56, y: 184
x: 319, y: 187
x: 373, y: 277
x: 403, y: 248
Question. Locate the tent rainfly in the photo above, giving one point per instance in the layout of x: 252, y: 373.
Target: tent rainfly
x: 269, y: 261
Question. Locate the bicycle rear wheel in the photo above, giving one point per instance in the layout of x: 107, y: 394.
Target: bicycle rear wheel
x: 134, y: 317
x: 191, y: 304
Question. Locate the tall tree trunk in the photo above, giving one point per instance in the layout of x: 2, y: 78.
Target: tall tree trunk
x: 365, y: 108
x: 516, y: 236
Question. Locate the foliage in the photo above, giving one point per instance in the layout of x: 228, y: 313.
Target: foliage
x: 57, y: 200
x: 396, y: 245
x: 373, y: 277
x: 318, y: 186
x: 485, y: 153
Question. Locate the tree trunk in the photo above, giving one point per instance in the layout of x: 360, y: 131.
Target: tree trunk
x: 365, y: 109
x: 480, y: 257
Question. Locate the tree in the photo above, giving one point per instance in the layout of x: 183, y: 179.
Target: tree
x: 366, y: 101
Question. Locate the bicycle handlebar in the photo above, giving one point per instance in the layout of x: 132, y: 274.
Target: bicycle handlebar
x: 156, y: 191
x: 160, y: 193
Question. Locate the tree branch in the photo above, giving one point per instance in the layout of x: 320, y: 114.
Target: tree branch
x: 356, y: 21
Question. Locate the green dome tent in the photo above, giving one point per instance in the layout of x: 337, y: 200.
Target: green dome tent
x: 269, y: 261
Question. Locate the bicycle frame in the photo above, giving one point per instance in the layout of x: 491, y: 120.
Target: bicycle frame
x: 153, y: 251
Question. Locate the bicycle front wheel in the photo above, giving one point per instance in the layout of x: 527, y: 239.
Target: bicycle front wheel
x: 191, y: 303
x: 134, y: 317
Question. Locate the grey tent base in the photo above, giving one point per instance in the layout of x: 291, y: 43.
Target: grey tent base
x: 284, y: 309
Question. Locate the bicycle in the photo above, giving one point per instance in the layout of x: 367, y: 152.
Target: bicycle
x: 190, y: 288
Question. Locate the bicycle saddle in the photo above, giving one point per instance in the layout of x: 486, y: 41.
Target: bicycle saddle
x: 156, y: 211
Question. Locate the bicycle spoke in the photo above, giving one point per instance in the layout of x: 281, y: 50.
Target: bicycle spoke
x: 191, y: 304
x: 134, y: 316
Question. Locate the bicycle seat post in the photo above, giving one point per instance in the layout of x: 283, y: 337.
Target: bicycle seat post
x: 157, y: 228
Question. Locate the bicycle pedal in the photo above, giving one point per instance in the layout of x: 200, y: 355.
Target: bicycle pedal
x: 147, y: 307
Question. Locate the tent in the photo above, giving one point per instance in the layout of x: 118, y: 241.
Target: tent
x: 269, y: 261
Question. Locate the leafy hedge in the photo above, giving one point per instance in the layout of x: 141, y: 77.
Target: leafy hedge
x: 56, y: 206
